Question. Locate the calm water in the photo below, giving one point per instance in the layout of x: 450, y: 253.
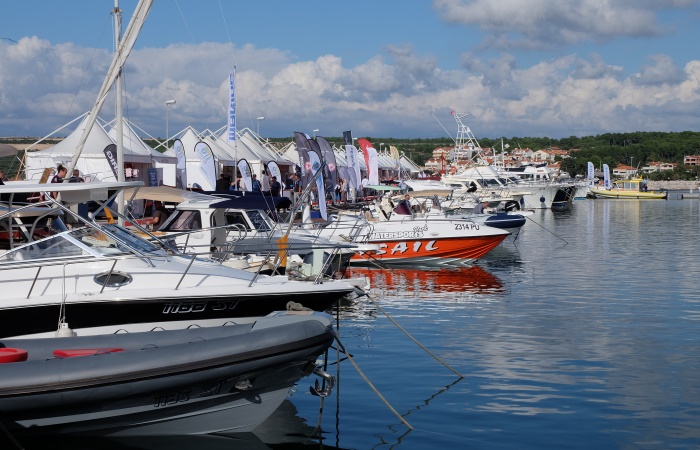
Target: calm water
x: 584, y: 332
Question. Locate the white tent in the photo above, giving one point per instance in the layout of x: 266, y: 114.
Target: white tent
x: 93, y: 164
x: 165, y: 163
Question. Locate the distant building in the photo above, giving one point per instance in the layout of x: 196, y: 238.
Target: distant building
x: 691, y: 160
x: 657, y: 166
x: 623, y: 171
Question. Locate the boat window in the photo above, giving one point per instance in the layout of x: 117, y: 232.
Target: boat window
x: 183, y: 221
x: 237, y: 218
x: 81, y: 242
x: 260, y: 221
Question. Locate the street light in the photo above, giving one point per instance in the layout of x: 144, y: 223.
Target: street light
x: 167, y: 135
x: 259, y: 119
x: 381, y: 144
x: 315, y: 131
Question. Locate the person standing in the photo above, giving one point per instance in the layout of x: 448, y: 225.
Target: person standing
x: 256, y: 184
x: 344, y: 191
x: 296, y: 188
x: 61, y: 173
x: 265, y: 183
x: 275, y: 187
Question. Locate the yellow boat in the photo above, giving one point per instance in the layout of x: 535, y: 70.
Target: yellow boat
x: 634, y: 188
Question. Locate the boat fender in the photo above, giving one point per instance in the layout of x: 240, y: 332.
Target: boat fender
x: 542, y: 199
x: 69, y: 353
x: 10, y: 355
x: 294, y: 306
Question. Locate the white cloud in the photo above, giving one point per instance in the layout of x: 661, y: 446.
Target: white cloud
x: 547, y: 23
x: 43, y: 86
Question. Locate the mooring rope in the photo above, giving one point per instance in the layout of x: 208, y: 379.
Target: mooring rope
x: 437, y: 358
x: 369, y: 383
x: 545, y: 229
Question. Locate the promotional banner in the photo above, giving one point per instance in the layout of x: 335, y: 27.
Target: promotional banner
x: 315, y: 161
x: 606, y: 176
x: 111, y: 154
x: 371, y: 160
x: 246, y: 174
x: 181, y: 168
x: 330, y: 170
x: 232, y: 107
x: 274, y: 171
x: 591, y: 173
x: 303, y: 147
x: 353, y: 163
x: 207, y: 166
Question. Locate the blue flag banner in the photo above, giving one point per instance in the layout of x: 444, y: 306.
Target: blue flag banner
x: 232, y: 107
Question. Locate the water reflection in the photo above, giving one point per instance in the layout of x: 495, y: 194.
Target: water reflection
x: 284, y: 429
x: 419, y: 282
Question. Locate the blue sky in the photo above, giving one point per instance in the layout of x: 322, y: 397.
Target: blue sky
x: 380, y: 68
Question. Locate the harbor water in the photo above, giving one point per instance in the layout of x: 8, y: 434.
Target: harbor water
x: 583, y: 332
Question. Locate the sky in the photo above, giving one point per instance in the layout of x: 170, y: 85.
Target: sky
x: 380, y: 68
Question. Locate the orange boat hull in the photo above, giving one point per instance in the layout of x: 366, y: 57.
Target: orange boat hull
x: 438, y: 251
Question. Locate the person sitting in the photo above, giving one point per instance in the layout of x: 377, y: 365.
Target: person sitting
x: 479, y: 208
x: 76, y: 178
x: 160, y: 215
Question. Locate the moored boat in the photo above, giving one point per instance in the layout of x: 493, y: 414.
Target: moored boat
x: 180, y: 382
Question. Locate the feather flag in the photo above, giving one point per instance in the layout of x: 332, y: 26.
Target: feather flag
x: 303, y: 147
x: 181, y: 168
x: 274, y: 170
x: 353, y: 163
x: 371, y: 160
x: 246, y: 174
x: 606, y: 176
x: 315, y: 161
x: 232, y: 107
x: 207, y: 165
x: 591, y: 173
x: 330, y: 170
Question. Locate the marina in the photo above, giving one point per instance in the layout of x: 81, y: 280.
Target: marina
x: 580, y: 334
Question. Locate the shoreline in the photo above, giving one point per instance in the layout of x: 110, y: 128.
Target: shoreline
x: 692, y: 185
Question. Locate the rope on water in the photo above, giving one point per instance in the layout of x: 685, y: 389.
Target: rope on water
x: 412, y: 338
x: 369, y: 383
x: 555, y: 235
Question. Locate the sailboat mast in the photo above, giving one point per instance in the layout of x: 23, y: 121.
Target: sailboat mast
x: 120, y: 122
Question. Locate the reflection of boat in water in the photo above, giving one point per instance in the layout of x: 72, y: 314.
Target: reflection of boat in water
x: 283, y: 429
x: 472, y: 279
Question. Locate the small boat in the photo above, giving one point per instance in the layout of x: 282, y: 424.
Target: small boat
x: 634, y: 188
x: 158, y: 383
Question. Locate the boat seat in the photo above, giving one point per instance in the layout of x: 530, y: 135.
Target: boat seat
x: 69, y: 353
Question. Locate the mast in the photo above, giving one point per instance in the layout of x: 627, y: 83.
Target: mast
x: 120, y: 115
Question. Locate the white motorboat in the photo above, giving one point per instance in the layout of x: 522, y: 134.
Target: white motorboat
x: 100, y: 278
x: 224, y: 379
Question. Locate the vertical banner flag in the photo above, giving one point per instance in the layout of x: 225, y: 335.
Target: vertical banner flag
x: 330, y: 170
x: 606, y: 176
x: 246, y: 174
x: 207, y: 166
x: 181, y: 168
x: 303, y: 147
x: 353, y: 162
x: 232, y: 107
x: 274, y: 171
x: 315, y: 161
x: 371, y: 160
x: 111, y: 154
x: 591, y: 173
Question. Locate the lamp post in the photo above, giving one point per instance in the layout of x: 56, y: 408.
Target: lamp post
x: 381, y: 144
x: 315, y: 131
x: 258, y: 120
x: 168, y: 103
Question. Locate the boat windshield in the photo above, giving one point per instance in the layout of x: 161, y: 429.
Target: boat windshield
x: 85, y: 241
